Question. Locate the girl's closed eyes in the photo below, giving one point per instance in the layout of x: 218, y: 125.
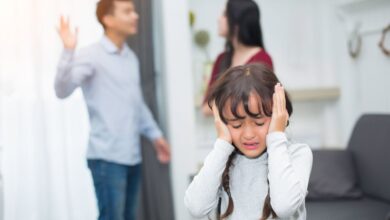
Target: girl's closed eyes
x: 236, y: 123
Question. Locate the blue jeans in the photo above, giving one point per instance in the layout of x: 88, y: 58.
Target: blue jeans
x: 116, y: 188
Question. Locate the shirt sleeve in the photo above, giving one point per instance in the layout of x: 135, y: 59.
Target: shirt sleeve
x: 289, y: 171
x: 202, y: 194
x: 148, y: 125
x: 72, y: 70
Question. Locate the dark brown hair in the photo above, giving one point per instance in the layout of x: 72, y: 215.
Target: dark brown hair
x: 243, y: 17
x: 235, y: 85
x: 105, y: 7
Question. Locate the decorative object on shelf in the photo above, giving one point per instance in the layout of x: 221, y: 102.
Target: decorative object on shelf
x: 354, y: 43
x: 202, y: 39
x: 206, y: 73
x: 191, y: 17
x: 385, y: 50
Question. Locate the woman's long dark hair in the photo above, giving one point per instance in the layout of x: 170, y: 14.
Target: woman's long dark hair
x: 243, y: 17
x: 235, y: 86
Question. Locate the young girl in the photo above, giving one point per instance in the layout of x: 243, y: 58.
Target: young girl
x: 255, y: 170
x: 240, y: 25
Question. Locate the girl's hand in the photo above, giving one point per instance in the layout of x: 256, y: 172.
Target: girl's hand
x: 206, y: 110
x: 222, y: 130
x: 279, y: 112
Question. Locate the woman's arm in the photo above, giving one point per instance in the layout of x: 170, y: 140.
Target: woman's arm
x: 202, y: 195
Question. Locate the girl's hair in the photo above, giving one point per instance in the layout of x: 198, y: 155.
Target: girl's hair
x: 243, y: 17
x: 234, y: 87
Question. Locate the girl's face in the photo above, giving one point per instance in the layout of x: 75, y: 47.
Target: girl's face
x: 223, y: 27
x: 248, y: 134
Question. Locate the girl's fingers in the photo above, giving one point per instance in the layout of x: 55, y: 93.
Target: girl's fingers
x: 274, y: 113
x: 222, y: 130
x: 278, y: 122
x: 215, y: 111
x: 283, y: 97
x: 277, y: 98
x: 274, y: 106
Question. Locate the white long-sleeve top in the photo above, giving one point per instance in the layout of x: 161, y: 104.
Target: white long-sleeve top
x: 286, y: 165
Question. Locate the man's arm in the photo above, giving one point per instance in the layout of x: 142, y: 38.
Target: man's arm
x: 72, y: 68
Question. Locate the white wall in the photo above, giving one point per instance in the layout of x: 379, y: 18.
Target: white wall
x: 298, y: 37
x: 365, y: 80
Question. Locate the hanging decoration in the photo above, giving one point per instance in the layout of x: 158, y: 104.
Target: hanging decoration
x: 385, y: 50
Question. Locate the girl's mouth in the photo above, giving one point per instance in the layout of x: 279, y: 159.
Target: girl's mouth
x: 251, y: 145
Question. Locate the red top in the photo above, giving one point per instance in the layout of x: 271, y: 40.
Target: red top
x: 260, y: 57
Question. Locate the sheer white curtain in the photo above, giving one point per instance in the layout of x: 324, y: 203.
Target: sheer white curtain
x: 43, y: 139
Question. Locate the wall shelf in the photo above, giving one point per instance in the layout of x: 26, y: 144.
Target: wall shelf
x: 314, y: 94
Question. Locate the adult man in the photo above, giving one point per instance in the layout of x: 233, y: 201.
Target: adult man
x: 108, y: 74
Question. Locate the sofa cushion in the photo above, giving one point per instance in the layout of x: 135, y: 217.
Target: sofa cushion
x: 370, y: 147
x: 358, y: 209
x: 333, y: 176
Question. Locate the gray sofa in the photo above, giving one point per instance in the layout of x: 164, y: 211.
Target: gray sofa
x: 353, y: 184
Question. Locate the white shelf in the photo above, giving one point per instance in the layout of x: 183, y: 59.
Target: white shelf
x: 314, y: 94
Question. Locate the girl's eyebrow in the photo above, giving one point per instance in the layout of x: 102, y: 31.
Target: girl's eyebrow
x: 258, y: 116
x: 234, y: 119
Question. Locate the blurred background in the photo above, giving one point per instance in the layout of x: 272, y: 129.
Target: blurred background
x: 325, y: 52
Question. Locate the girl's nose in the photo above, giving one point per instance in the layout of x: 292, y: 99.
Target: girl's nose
x: 248, y: 133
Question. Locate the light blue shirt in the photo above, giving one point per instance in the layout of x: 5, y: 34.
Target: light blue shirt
x: 110, y: 82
